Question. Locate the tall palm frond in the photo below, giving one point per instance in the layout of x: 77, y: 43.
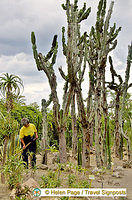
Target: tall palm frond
x: 10, y: 83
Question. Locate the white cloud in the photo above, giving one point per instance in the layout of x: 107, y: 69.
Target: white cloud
x: 36, y: 85
x: 45, y: 18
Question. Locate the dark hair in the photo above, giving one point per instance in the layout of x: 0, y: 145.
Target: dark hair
x: 24, y: 121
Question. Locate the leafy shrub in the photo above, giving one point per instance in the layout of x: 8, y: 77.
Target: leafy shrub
x: 71, y: 180
x: 13, y: 170
x: 50, y: 181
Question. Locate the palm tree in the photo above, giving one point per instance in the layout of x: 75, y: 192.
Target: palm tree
x: 9, y: 85
x: 19, y: 99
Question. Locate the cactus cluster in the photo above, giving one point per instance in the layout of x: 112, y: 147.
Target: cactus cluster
x: 92, y: 48
x: 120, y: 89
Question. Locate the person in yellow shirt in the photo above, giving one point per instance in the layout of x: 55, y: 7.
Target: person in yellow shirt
x: 28, y: 133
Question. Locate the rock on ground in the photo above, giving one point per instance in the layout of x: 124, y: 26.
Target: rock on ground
x: 30, y: 183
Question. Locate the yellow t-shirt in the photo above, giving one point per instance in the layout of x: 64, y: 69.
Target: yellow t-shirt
x: 25, y: 131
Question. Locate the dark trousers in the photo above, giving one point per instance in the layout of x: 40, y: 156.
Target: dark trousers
x: 30, y: 149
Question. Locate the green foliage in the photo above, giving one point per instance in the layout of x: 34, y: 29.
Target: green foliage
x: 31, y: 112
x: 8, y: 127
x: 71, y: 180
x: 13, y: 170
x: 21, y: 198
x: 84, y: 184
x: 10, y: 83
x: 52, y: 131
x: 51, y: 180
x: 64, y: 198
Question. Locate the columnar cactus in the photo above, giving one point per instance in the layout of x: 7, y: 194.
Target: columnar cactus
x: 74, y: 51
x: 44, y: 141
x: 44, y: 63
x: 120, y: 91
x: 102, y: 40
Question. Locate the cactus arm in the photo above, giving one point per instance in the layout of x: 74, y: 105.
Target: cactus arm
x: 65, y: 89
x: 75, y: 5
x: 130, y: 85
x: 84, y: 15
x: 54, y: 55
x: 80, y: 61
x: 113, y: 72
x: 63, y: 42
x: 62, y: 73
x: 35, y: 52
x: 127, y: 72
x: 63, y: 6
x: 48, y: 102
x: 44, y: 66
x: 68, y: 5
x: 85, y: 58
x: 114, y: 44
x: 106, y: 27
x: 68, y: 101
x: 111, y: 38
x: 50, y: 53
x: 82, y: 11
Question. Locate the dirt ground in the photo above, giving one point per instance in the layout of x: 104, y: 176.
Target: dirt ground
x: 103, y: 179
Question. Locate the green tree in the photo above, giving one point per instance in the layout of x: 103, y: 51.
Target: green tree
x: 9, y: 85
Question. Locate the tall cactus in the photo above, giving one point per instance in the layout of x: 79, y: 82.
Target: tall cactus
x: 74, y: 51
x: 102, y: 40
x: 44, y: 143
x: 74, y: 126
x: 43, y: 63
x: 120, y: 91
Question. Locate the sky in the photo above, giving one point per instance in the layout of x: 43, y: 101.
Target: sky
x: 18, y: 18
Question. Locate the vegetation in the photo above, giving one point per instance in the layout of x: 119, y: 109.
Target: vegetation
x: 102, y: 125
x: 92, y: 48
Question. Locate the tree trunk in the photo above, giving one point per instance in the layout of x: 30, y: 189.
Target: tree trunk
x: 124, y: 89
x: 108, y: 145
x: 86, y: 130
x: 98, y: 114
x: 117, y: 132
x: 44, y: 131
x: 86, y: 147
x: 4, y: 158
x: 79, y: 147
x: 79, y: 152
x: 74, y: 130
x: 106, y: 124
x: 62, y: 146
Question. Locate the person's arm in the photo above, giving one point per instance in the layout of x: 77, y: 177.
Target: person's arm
x: 35, y: 132
x: 36, y: 135
x: 22, y: 141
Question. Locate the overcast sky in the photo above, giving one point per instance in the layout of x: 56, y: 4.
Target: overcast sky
x: 18, y: 18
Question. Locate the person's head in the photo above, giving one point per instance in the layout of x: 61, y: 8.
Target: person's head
x: 25, y: 122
